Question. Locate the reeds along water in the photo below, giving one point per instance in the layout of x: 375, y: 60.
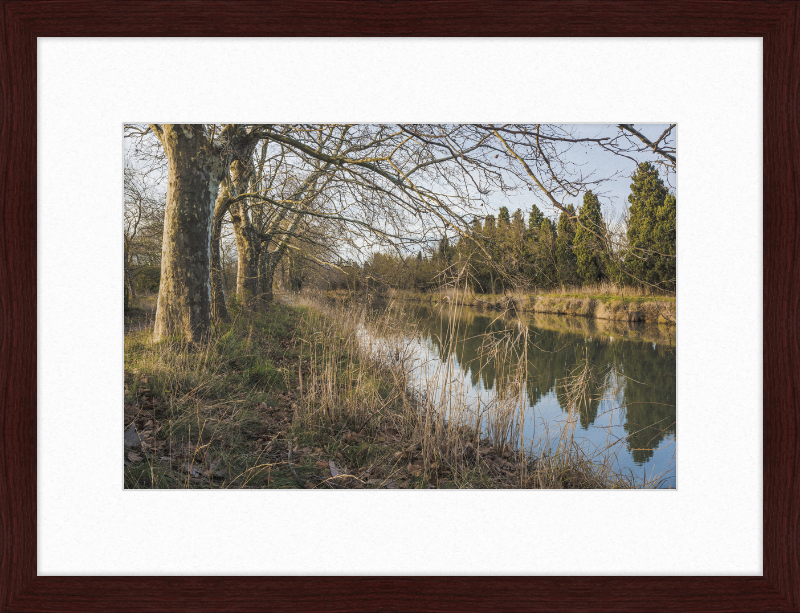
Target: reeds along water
x: 374, y: 367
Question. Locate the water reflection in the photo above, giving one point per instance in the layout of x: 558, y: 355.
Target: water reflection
x: 630, y: 368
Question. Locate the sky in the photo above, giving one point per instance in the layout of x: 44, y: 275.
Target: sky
x: 614, y: 198
x: 613, y: 194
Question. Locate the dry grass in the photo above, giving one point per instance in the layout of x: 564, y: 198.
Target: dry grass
x: 365, y: 377
x: 335, y: 395
x: 605, y: 301
x: 199, y: 410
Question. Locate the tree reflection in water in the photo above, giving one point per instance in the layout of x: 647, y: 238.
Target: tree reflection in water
x: 631, y: 383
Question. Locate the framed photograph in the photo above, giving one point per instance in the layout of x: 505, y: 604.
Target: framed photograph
x: 254, y: 432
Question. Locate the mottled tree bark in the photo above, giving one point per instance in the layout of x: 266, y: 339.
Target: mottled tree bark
x: 195, y: 170
x: 219, y: 307
x: 248, y: 243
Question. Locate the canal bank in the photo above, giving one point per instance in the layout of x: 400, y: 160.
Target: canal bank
x: 633, y: 309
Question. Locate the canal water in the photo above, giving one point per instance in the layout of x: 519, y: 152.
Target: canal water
x: 625, y: 414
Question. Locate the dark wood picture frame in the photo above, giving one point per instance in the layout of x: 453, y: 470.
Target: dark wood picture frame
x: 778, y: 22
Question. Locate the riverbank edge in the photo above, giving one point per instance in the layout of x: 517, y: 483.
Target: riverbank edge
x: 491, y: 466
x: 284, y: 450
x: 607, y: 307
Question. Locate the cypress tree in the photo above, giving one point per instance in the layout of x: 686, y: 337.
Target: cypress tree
x: 536, y: 218
x: 565, y: 252
x: 518, y: 221
x: 650, y: 257
x: 503, y: 219
x: 588, y: 247
x: 545, y: 263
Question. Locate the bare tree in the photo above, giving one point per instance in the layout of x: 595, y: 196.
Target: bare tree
x: 320, y: 190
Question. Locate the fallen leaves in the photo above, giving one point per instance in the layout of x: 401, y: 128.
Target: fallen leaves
x: 131, y: 437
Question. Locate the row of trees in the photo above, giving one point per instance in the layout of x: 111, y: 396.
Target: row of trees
x: 581, y: 248
x: 308, y: 194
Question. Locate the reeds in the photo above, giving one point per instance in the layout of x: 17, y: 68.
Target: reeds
x: 368, y: 374
x: 355, y: 378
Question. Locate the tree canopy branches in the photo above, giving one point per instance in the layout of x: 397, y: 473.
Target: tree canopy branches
x: 344, y: 191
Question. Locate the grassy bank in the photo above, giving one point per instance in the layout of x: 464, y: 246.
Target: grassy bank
x: 628, y: 305
x: 319, y: 396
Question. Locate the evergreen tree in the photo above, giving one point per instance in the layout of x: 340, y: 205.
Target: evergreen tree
x: 489, y: 225
x: 650, y: 257
x: 536, y: 218
x: 546, y: 274
x: 518, y: 221
x: 445, y: 250
x: 589, y: 251
x: 503, y: 219
x: 565, y: 252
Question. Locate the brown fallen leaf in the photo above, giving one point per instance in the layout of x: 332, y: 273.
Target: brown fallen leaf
x: 134, y: 457
x: 414, y: 469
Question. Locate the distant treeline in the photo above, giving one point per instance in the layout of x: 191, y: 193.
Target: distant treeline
x: 511, y: 252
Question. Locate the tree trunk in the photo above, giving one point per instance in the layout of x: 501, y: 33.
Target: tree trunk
x: 248, y: 243
x: 131, y: 289
x: 219, y: 307
x: 270, y: 259
x: 267, y: 273
x: 129, y: 284
x: 195, y: 171
x: 248, y: 246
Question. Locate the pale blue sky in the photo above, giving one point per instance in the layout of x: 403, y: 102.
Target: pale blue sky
x: 614, y: 193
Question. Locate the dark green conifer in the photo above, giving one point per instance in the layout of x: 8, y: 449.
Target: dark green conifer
x: 518, y: 221
x: 546, y: 273
x: 536, y: 218
x: 503, y: 219
x: 589, y: 248
x: 565, y: 252
x: 650, y: 258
